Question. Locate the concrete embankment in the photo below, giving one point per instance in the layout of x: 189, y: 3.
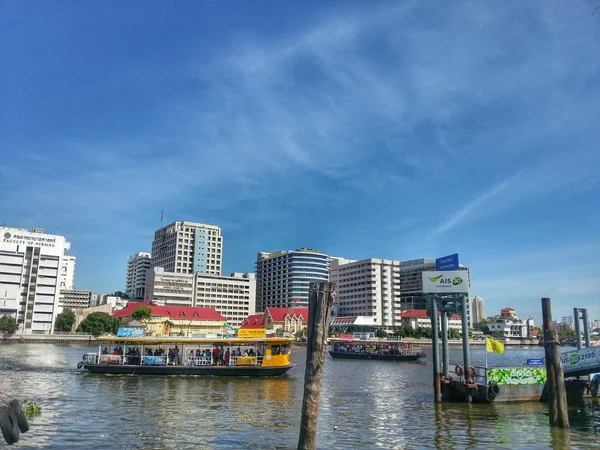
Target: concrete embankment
x: 79, y: 339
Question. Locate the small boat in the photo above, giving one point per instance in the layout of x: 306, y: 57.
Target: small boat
x: 375, y: 349
x: 244, y: 357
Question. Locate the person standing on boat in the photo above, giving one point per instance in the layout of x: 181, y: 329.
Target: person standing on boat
x: 176, y: 355
x: 227, y: 357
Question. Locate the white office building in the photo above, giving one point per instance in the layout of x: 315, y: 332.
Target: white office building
x: 369, y: 287
x: 232, y: 296
x: 283, y: 278
x: 30, y: 278
x: 477, y: 309
x: 74, y: 299
x: 188, y: 247
x: 135, y: 283
x: 67, y: 272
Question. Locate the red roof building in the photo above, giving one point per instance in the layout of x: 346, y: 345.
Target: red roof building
x: 253, y: 321
x: 287, y: 319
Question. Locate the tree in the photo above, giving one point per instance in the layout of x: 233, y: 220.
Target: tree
x: 142, y: 313
x: 454, y: 333
x: 64, y: 321
x: 120, y: 294
x: 483, y: 326
x: 380, y: 333
x: 568, y: 333
x: 98, y: 323
x: 8, y: 324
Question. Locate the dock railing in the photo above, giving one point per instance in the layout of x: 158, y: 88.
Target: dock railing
x: 478, y: 373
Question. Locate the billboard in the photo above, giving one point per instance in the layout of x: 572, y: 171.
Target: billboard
x: 449, y: 262
x: 251, y: 333
x: 451, y: 282
x: 131, y: 332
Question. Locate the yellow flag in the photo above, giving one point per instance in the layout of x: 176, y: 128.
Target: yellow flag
x: 492, y: 345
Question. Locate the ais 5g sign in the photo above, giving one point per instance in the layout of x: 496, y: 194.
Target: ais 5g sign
x: 451, y: 282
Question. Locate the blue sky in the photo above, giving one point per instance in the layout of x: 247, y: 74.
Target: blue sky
x: 382, y: 129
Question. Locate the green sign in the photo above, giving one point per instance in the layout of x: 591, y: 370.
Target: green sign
x: 526, y: 375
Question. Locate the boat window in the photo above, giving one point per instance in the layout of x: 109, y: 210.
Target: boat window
x: 285, y: 349
x: 275, y: 350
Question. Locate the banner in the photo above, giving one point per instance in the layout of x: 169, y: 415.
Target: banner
x: 131, y: 332
x: 534, y: 375
x: 452, y: 282
x: 579, y: 359
x: 251, y: 333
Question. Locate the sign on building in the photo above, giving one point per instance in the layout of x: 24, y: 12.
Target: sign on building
x: 251, y: 333
x: 447, y: 282
x: 449, y: 262
x: 131, y: 332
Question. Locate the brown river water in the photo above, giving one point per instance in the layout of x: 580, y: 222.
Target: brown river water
x: 374, y: 405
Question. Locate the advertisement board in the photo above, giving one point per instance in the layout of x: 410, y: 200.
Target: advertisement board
x: 579, y: 359
x: 449, y: 262
x: 251, y: 333
x: 447, y: 282
x: 509, y: 376
x: 131, y: 332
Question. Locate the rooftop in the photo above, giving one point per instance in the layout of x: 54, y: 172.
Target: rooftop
x: 174, y: 312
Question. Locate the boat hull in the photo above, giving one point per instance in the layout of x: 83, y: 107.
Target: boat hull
x: 370, y: 356
x: 225, y: 371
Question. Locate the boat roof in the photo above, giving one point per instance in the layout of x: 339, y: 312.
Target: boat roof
x: 186, y: 340
x: 371, y: 341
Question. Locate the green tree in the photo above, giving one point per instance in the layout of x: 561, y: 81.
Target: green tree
x: 120, y: 294
x: 453, y: 333
x: 142, y: 313
x: 567, y: 334
x: 8, y: 324
x: 483, y: 326
x: 380, y: 333
x: 64, y: 321
x: 98, y: 323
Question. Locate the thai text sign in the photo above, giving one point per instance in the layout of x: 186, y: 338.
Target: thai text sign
x: 509, y: 376
x: 580, y: 359
x: 251, y: 333
x: 447, y: 282
x: 154, y: 360
x: 535, y: 361
x: 449, y: 262
x: 131, y: 332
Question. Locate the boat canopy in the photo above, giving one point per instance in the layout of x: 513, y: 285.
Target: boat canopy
x: 184, y: 340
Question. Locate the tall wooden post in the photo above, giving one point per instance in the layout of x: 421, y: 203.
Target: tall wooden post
x: 320, y: 301
x: 555, y: 377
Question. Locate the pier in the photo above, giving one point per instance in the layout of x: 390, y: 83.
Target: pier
x: 68, y: 338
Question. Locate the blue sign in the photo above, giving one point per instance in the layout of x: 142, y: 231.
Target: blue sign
x: 449, y: 262
x: 131, y: 332
x: 154, y: 360
x: 535, y: 361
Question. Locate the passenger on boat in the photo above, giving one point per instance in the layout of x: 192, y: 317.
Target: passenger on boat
x: 227, y: 357
x: 251, y: 352
x: 105, y: 351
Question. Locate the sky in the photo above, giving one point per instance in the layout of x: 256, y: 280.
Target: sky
x: 396, y: 130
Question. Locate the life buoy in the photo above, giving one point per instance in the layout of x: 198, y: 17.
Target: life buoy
x: 458, y: 370
x: 9, y: 425
x: 79, y: 364
x: 493, y: 390
x: 473, y: 372
x: 20, y: 415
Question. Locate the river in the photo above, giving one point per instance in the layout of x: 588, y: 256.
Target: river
x: 373, y: 405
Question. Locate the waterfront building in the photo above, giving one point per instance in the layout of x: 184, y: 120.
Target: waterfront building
x: 594, y: 324
x: 369, y: 287
x: 188, y: 247
x: 232, y: 296
x: 137, y: 267
x: 173, y: 320
x: 568, y: 319
x: 253, y: 321
x: 283, y: 277
x: 31, y: 265
x: 291, y: 320
x: 415, y: 318
x: 74, y: 298
x: 67, y: 272
x: 411, y: 285
x: 508, y: 326
x: 477, y: 309
x: 362, y: 325
x: 107, y: 299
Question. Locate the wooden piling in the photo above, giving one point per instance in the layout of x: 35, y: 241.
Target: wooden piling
x: 555, y: 377
x: 319, y: 306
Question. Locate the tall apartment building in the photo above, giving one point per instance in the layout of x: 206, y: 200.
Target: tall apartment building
x: 188, y: 247
x: 282, y: 278
x: 477, y: 309
x: 135, y: 283
x: 67, y: 272
x: 30, y: 278
x: 232, y: 296
x: 369, y: 287
x: 74, y: 299
x: 411, y: 285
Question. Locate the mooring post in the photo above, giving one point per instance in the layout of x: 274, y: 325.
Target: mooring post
x: 577, y: 327
x: 445, y: 356
x: 319, y: 306
x: 437, y: 388
x: 586, y: 327
x: 555, y: 377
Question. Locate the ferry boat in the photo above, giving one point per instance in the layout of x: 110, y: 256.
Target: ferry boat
x: 245, y: 357
x: 375, y: 349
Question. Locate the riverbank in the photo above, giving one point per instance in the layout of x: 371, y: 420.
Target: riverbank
x: 76, y: 339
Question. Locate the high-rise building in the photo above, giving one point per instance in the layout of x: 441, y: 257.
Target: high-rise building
x: 370, y: 287
x: 282, y: 278
x: 137, y: 266
x: 477, y: 309
x: 30, y: 278
x: 74, y: 299
x: 188, y: 247
x: 567, y: 319
x: 411, y: 285
x: 67, y: 272
x: 232, y: 296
